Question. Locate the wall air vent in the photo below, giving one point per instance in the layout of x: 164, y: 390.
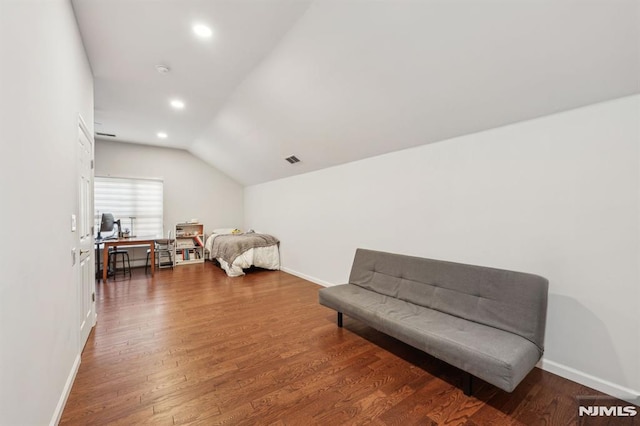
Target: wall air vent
x: 293, y: 159
x: 111, y: 135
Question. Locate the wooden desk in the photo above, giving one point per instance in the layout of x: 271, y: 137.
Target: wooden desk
x: 133, y: 241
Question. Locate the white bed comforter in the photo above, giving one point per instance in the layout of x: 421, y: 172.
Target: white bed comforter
x: 262, y: 257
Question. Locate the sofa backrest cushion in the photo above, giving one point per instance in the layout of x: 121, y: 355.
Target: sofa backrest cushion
x: 512, y: 301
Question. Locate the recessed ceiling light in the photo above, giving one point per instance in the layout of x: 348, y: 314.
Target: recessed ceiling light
x: 202, y: 31
x: 177, y: 104
x: 162, y: 135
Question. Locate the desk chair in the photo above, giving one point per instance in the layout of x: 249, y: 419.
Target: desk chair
x: 163, y: 250
x: 114, y: 252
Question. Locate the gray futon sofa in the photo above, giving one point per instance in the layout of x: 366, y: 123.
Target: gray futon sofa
x: 487, y: 322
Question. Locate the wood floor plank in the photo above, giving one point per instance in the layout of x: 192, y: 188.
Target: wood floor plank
x: 193, y: 346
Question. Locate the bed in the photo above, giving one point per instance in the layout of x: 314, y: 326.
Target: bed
x: 236, y: 251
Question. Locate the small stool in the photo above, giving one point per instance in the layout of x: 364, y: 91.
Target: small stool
x: 113, y: 259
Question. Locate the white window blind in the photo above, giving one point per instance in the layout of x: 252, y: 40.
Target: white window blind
x: 140, y: 199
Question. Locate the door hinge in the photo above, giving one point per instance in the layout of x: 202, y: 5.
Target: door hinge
x: 91, y: 164
x: 93, y: 297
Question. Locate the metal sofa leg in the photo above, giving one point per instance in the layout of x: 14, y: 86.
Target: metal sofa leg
x: 339, y: 319
x: 467, y: 383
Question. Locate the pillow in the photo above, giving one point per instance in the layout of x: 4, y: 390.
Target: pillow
x: 224, y: 230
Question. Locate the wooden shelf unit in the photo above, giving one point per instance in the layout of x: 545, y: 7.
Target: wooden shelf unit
x: 189, y: 244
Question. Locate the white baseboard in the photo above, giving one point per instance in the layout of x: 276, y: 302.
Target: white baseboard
x: 65, y: 392
x: 307, y: 277
x: 613, y: 389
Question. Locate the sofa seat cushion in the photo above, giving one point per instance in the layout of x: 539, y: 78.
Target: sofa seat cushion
x: 496, y: 356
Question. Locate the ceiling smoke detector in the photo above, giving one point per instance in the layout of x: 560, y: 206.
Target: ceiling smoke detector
x: 162, y: 69
x: 293, y: 159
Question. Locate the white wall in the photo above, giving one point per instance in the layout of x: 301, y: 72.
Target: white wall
x: 45, y: 82
x: 557, y: 196
x: 192, y: 188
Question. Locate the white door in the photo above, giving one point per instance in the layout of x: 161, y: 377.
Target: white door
x: 86, y: 280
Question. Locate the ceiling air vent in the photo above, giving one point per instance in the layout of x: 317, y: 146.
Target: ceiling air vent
x: 111, y: 135
x: 293, y: 159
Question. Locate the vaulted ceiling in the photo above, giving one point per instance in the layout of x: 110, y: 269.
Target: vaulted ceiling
x: 333, y: 81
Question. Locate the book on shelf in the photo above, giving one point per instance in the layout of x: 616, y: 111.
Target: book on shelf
x: 198, y: 241
x: 185, y: 244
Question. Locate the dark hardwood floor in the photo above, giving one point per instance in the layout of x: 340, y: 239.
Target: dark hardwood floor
x: 194, y: 346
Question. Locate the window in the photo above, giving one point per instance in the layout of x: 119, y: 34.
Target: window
x: 136, y: 202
